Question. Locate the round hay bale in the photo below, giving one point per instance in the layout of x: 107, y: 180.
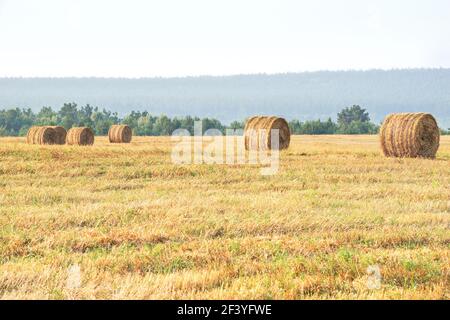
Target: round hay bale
x: 410, y: 135
x: 61, y: 134
x: 30, y: 134
x: 80, y: 136
x: 120, y: 134
x: 41, y: 135
x: 257, y: 133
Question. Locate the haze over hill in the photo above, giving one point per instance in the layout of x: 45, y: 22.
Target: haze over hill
x: 301, y: 96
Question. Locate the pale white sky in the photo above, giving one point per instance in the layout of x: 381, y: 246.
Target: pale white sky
x: 142, y: 38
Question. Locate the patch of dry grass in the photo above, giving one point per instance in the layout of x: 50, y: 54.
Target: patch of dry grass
x: 140, y: 227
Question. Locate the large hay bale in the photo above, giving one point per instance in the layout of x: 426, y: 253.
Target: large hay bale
x: 257, y: 133
x: 412, y: 135
x: 80, y: 136
x: 61, y: 134
x: 41, y: 135
x: 120, y: 134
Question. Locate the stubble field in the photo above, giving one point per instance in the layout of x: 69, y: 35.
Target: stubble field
x: 123, y: 222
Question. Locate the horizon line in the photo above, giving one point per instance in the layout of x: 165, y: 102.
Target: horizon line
x: 229, y: 75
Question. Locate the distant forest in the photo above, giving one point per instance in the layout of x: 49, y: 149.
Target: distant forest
x: 303, y: 96
x: 16, y: 122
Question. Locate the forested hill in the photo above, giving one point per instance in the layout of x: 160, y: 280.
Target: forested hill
x: 301, y: 96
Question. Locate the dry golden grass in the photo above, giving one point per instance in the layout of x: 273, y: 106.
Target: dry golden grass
x: 140, y: 227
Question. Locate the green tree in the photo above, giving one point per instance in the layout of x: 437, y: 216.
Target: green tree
x: 3, y: 132
x: 46, y: 117
x: 146, y: 125
x: 313, y: 127
x: 132, y: 119
x: 355, y: 120
x: 16, y: 121
x: 358, y: 127
x: 295, y: 126
x: 354, y: 113
x: 163, y: 126
x: 68, y: 115
x: 102, y: 121
x: 85, y: 116
x: 235, y: 125
x: 208, y: 123
x: 188, y: 124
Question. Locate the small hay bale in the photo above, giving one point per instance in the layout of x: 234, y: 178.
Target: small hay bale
x: 81, y: 136
x: 257, y: 133
x: 120, y: 134
x: 410, y: 135
x: 41, y: 135
x: 61, y: 134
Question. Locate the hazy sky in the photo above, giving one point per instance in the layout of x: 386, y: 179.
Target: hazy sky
x: 134, y: 38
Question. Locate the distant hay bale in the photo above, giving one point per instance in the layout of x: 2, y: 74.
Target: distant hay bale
x: 120, y: 134
x: 41, y: 135
x: 61, y: 134
x: 257, y: 133
x: 411, y: 135
x: 30, y: 134
x: 80, y: 136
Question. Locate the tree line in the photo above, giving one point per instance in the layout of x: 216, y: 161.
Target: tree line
x: 306, y: 96
x: 16, y: 122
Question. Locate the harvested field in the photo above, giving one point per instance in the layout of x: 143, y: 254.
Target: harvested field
x: 140, y: 227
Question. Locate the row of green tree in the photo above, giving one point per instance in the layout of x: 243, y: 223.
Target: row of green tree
x: 16, y: 122
x: 353, y: 120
